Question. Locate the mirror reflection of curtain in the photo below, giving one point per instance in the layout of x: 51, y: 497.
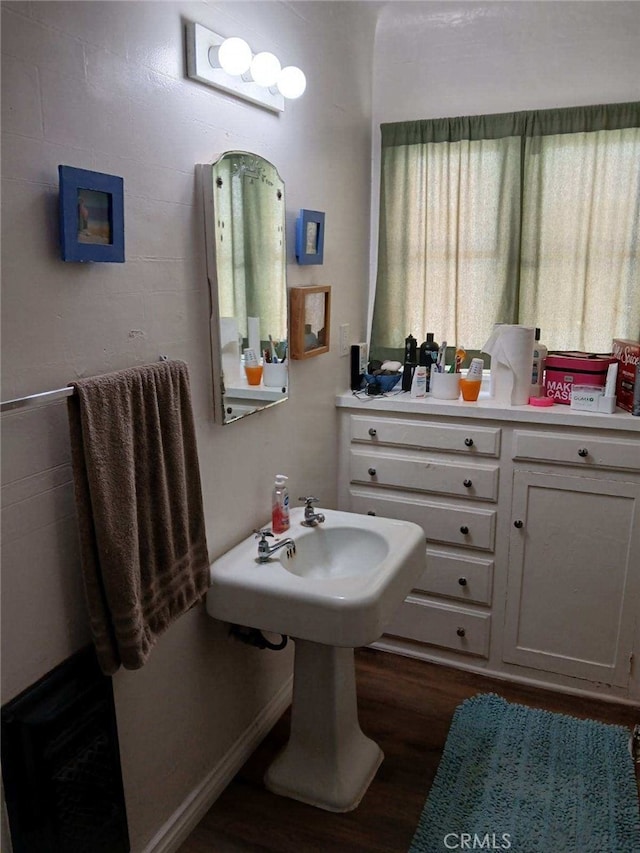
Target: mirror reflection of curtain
x: 250, y: 252
x: 264, y: 261
x: 231, y: 288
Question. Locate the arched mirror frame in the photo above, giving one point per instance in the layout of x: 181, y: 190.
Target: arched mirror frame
x: 233, y: 398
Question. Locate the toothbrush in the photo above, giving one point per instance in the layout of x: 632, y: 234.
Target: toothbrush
x: 442, y: 354
x: 460, y: 356
x: 274, y: 357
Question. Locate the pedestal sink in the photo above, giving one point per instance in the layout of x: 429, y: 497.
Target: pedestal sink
x: 338, y: 591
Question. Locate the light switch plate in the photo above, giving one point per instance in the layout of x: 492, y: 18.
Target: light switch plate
x: 344, y: 339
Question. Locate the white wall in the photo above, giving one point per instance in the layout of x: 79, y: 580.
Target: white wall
x: 102, y: 85
x: 472, y: 58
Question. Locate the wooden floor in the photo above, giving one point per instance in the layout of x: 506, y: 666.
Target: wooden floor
x: 406, y: 706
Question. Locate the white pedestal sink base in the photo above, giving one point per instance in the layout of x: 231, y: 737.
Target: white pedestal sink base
x: 328, y: 761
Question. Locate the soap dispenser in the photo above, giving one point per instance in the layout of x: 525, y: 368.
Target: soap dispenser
x: 280, y: 505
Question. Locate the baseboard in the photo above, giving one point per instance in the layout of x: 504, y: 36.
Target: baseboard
x: 387, y: 644
x: 187, y: 816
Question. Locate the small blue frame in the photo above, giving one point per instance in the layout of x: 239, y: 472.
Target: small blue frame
x: 91, y: 216
x: 310, y: 237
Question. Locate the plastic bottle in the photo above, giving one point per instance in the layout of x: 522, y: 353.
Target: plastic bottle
x: 430, y: 355
x: 280, y: 505
x: 540, y: 353
x: 410, y: 345
x: 419, y: 381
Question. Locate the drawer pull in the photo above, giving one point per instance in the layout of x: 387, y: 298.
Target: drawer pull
x: 519, y: 524
x: 462, y: 581
x: 464, y: 529
x: 468, y: 442
x: 373, y: 432
x: 467, y: 484
x: 461, y: 632
x: 371, y: 512
x: 583, y: 452
x: 372, y: 472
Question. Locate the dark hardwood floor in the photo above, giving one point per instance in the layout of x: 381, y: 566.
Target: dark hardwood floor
x: 406, y: 706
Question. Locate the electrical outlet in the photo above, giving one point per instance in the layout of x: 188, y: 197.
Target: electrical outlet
x: 344, y: 339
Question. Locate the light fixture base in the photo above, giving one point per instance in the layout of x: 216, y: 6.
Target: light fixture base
x: 199, y: 40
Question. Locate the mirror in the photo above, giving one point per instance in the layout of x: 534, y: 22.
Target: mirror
x: 244, y: 211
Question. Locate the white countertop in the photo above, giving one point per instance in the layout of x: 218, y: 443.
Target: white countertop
x: 486, y: 408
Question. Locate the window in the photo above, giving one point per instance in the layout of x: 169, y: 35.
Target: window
x: 529, y: 218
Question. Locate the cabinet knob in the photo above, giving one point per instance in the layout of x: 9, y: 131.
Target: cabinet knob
x: 467, y: 484
x: 462, y: 581
x: 464, y: 529
x: 372, y: 472
x: 461, y: 632
x: 468, y: 442
x: 519, y: 524
x: 373, y: 432
x: 583, y: 452
x: 371, y: 512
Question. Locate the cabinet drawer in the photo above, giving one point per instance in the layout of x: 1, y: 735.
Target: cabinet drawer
x: 578, y: 449
x: 470, y: 440
x: 464, y: 578
x: 442, y: 625
x: 421, y: 473
x: 470, y: 528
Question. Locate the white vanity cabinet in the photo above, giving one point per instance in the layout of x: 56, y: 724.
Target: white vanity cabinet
x: 574, y: 555
x: 446, y: 478
x: 532, y: 534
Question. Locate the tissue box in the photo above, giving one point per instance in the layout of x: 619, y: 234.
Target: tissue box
x: 563, y: 369
x: 627, y: 354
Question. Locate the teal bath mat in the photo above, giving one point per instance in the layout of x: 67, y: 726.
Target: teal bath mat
x: 529, y: 781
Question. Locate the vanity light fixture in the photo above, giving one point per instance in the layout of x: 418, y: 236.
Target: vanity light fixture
x: 230, y: 65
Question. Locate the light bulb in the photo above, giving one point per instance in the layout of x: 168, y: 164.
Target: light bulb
x: 265, y: 69
x: 292, y: 82
x: 234, y: 56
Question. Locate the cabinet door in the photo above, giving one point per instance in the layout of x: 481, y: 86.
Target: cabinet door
x: 574, y: 569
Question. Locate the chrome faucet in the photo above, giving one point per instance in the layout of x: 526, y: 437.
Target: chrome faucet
x: 311, y: 517
x: 265, y: 550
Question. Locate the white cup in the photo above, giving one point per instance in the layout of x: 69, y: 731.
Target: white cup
x: 475, y: 369
x: 250, y: 357
x: 274, y: 375
x: 445, y: 386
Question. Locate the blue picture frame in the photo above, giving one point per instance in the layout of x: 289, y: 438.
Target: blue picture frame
x: 91, y: 216
x: 310, y: 237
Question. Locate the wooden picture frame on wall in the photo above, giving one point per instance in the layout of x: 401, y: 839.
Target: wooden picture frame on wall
x: 310, y: 319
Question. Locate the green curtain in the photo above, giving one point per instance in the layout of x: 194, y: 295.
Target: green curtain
x: 527, y: 217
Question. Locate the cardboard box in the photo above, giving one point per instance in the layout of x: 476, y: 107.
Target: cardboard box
x: 627, y: 354
x: 563, y: 369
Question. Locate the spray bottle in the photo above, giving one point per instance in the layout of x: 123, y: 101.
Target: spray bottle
x: 280, y: 505
x: 540, y: 353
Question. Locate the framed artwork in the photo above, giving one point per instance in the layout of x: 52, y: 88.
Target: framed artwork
x: 91, y: 216
x: 310, y: 237
x: 310, y: 321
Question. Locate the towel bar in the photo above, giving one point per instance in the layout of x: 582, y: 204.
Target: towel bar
x: 44, y: 398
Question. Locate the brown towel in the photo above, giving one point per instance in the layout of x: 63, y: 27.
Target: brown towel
x: 139, y: 502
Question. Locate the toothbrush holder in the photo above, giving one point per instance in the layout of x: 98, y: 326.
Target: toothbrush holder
x: 445, y: 386
x: 275, y: 375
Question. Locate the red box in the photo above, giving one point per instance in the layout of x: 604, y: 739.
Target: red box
x: 627, y: 354
x: 564, y: 369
